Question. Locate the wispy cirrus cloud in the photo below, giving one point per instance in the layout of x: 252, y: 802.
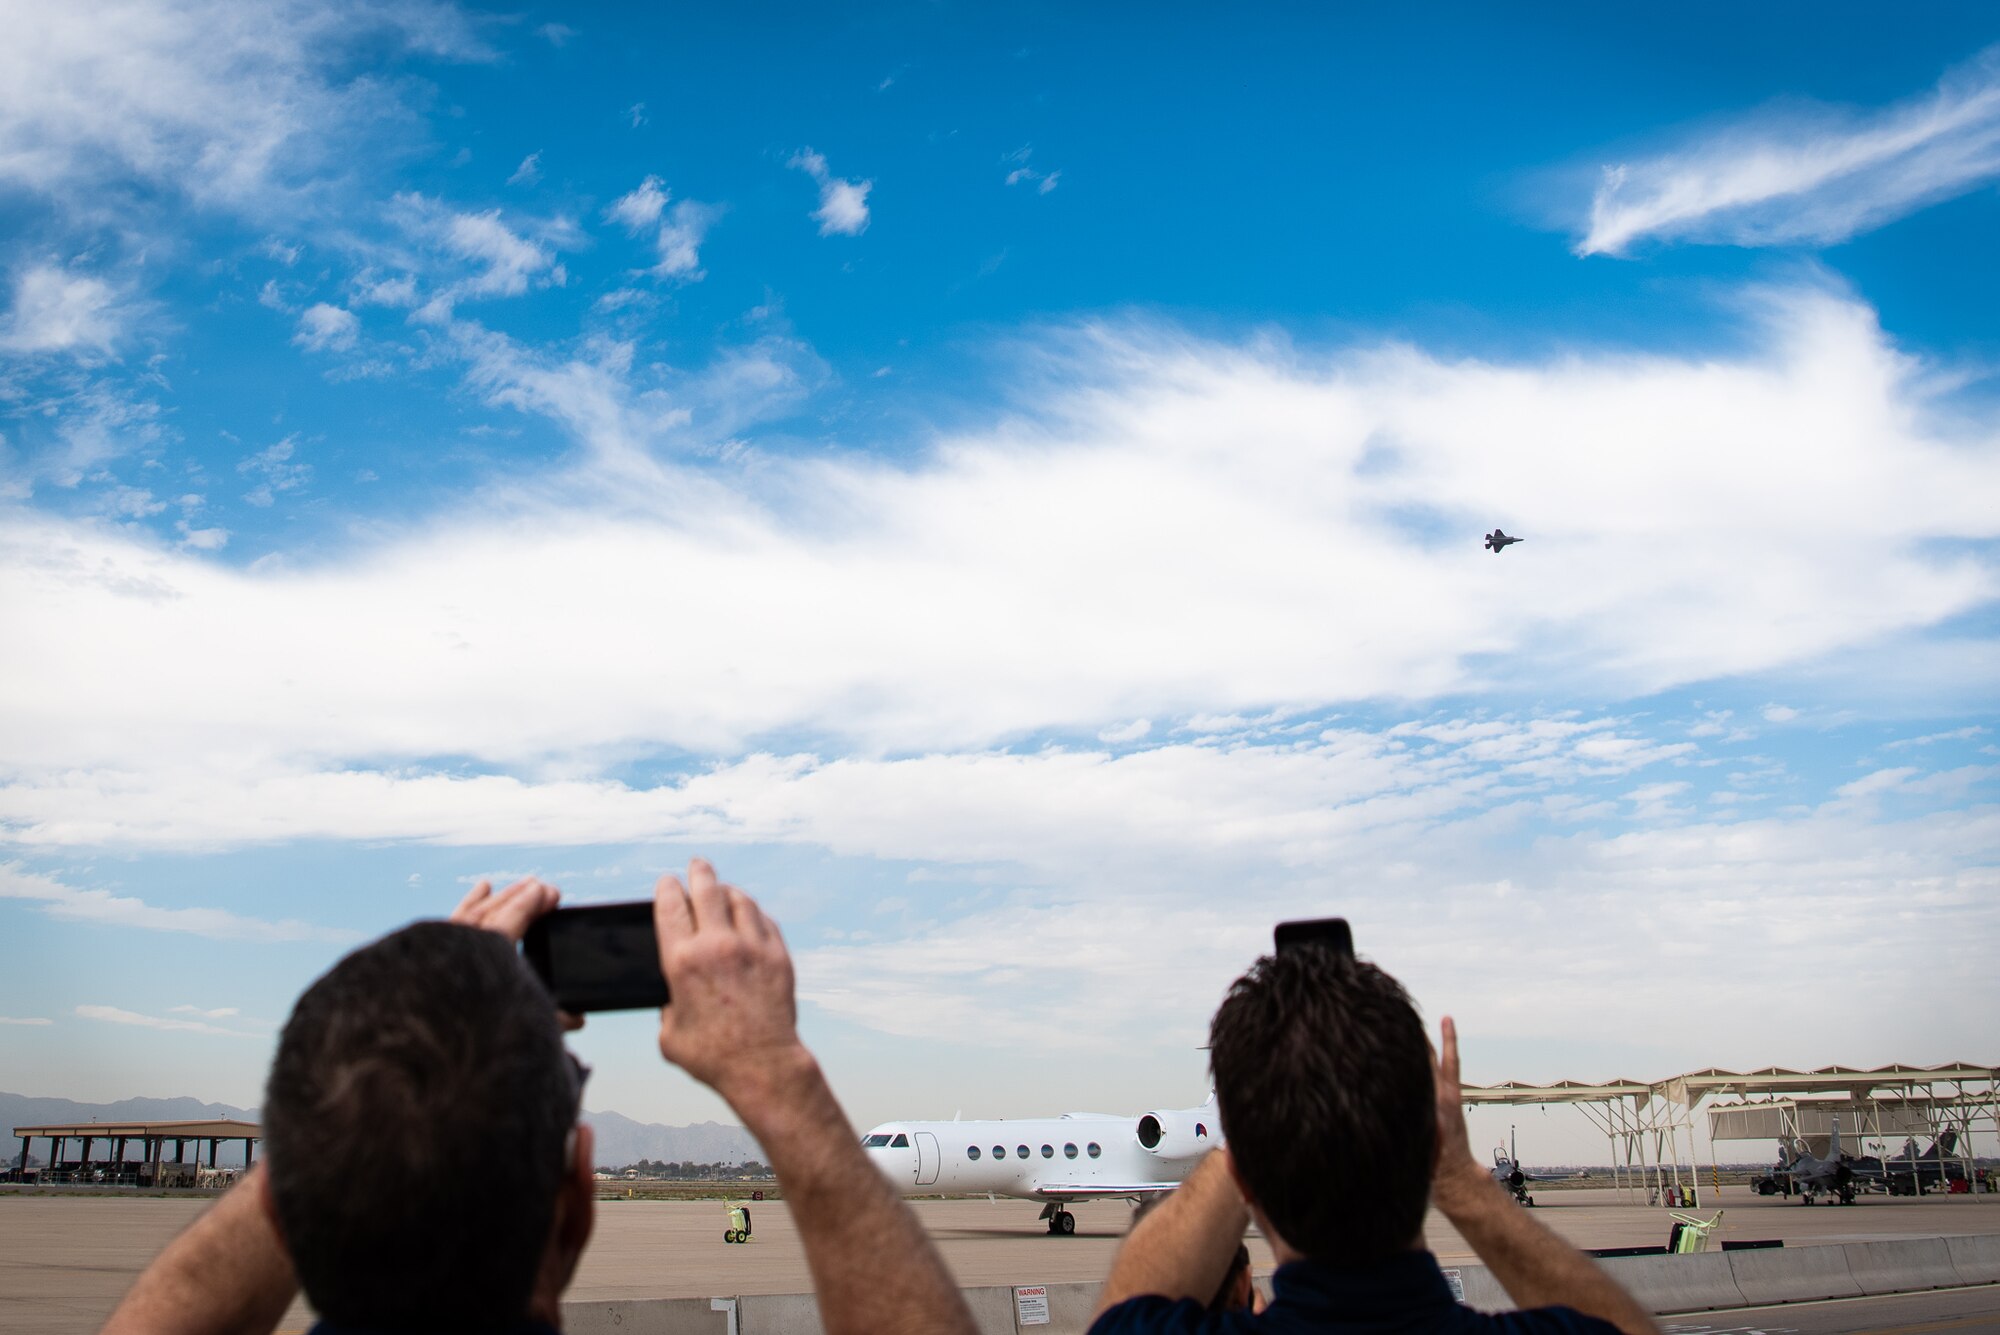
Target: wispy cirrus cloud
x: 102, y: 907
x: 1807, y: 174
x: 235, y: 106
x: 117, y: 1015
x: 907, y: 607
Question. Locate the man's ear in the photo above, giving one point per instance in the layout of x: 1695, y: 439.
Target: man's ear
x: 580, y: 1191
x: 267, y: 1201
x: 1236, y: 1176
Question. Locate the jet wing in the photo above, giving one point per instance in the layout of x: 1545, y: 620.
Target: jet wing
x: 1064, y: 1191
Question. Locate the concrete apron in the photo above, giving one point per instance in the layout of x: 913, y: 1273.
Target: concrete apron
x: 1704, y: 1281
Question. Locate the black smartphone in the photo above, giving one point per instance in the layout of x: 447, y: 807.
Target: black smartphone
x: 601, y: 957
x: 1332, y: 932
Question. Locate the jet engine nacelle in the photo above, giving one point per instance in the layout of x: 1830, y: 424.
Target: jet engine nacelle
x: 1181, y: 1134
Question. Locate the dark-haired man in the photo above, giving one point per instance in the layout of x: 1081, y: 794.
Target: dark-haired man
x: 1324, y: 1078
x: 425, y: 1168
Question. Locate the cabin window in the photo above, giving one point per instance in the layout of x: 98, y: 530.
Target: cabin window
x: 1021, y: 1151
x: 875, y: 1142
x: 999, y: 1151
x: 901, y: 1142
x: 1048, y: 1151
x: 972, y: 1151
x: 1069, y: 1151
x: 1200, y: 1131
x: 1094, y: 1149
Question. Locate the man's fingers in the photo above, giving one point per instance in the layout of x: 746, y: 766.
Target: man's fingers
x: 468, y: 907
x: 709, y: 896
x: 749, y: 919
x: 673, y: 916
x: 1448, y: 1057
x: 519, y: 905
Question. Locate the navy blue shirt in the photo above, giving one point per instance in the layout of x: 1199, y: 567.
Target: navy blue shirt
x: 524, y: 1328
x: 1399, y: 1296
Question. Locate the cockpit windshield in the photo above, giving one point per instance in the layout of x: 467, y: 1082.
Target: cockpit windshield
x: 901, y: 1142
x: 874, y: 1142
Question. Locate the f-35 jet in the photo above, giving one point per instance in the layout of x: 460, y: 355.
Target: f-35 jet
x: 1496, y: 540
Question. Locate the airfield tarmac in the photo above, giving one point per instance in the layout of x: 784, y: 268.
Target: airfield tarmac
x: 65, y: 1260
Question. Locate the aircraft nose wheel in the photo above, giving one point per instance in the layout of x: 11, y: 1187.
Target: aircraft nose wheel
x: 1062, y: 1223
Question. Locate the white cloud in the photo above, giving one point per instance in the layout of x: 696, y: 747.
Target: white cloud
x: 275, y: 471
x: 239, y: 106
x: 1809, y: 174
x: 1779, y: 713
x: 1255, y: 492
x: 529, y: 172
x: 370, y: 290
x: 843, y: 204
x: 1881, y: 781
x: 681, y: 230
x: 114, y: 1015
x: 1126, y: 732
x: 203, y: 539
x: 555, y: 34
x: 56, y: 310
x: 1711, y: 904
x: 59, y: 900
x: 641, y: 208
x: 219, y: 1013
x: 33, y: 1020
x: 1022, y: 173
x: 1964, y: 734
x: 503, y: 262
x: 637, y: 114
x: 325, y: 328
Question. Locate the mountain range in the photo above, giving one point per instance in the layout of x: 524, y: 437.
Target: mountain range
x: 620, y: 1140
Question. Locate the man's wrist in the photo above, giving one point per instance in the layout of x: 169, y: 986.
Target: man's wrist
x: 1466, y: 1194
x: 764, y: 1087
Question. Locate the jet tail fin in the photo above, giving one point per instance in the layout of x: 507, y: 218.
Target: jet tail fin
x: 1833, y: 1145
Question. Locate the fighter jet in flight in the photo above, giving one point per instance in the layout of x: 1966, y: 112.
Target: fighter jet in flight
x: 1496, y: 540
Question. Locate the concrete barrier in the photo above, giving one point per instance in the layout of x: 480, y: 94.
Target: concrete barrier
x: 1903, y: 1265
x: 650, y: 1316
x: 778, y: 1314
x: 1696, y: 1283
x: 1705, y: 1281
x: 1976, y: 1259
x: 1482, y: 1292
x: 1070, y: 1306
x: 1793, y: 1274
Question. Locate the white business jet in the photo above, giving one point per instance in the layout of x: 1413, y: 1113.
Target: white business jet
x: 1054, y: 1160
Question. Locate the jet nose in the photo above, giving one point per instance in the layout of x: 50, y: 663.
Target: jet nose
x: 899, y: 1166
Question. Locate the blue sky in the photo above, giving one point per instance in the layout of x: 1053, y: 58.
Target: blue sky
x: 1007, y: 487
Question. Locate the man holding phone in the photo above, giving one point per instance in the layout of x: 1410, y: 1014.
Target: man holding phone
x: 417, y: 1027
x: 1342, y: 1128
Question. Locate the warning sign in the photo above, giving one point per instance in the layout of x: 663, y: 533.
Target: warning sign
x: 1031, y: 1304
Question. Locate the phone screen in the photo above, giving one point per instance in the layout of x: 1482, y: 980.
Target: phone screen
x: 1331, y: 932
x: 603, y: 957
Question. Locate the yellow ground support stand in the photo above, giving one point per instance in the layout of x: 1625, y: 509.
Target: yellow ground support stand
x: 1691, y: 1233
x: 739, y: 1224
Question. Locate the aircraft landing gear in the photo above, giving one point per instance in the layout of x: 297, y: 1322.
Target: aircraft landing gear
x: 1062, y: 1224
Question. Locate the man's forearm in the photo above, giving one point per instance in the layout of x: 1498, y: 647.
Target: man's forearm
x: 1537, y: 1268
x: 228, y: 1272
x: 873, y: 1267
x: 1184, y: 1247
